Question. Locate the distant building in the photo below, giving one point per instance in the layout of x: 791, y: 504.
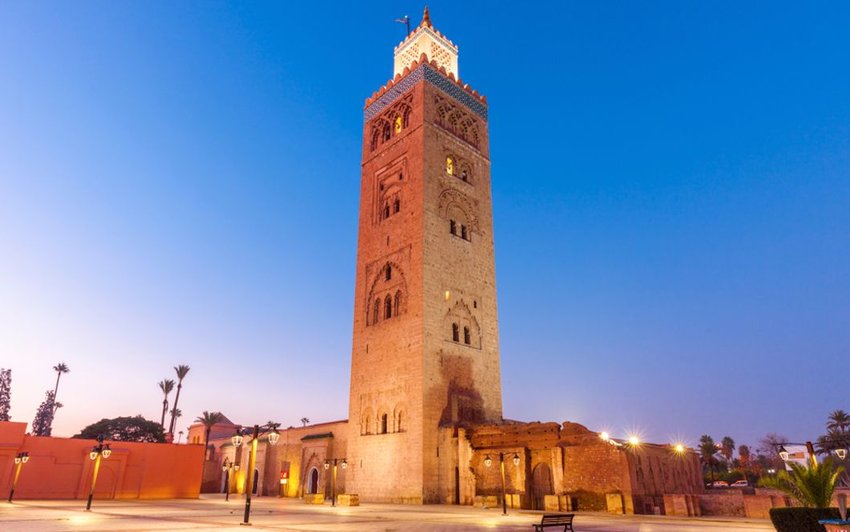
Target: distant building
x: 425, y: 407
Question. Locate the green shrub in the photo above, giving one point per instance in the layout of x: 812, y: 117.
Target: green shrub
x: 801, y: 519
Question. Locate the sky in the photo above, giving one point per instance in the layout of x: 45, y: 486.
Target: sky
x: 671, y: 190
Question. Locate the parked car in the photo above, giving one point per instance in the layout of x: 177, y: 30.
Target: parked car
x: 719, y: 484
x: 740, y: 484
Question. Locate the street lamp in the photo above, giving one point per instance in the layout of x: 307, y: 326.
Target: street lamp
x: 101, y: 450
x: 20, y: 459
x: 237, y: 439
x: 785, y: 455
x: 227, y: 466
x: 334, y: 461
x: 841, y: 453
x: 488, y: 462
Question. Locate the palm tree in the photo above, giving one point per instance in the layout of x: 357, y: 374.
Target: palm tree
x: 839, y: 421
x: 166, y: 385
x: 59, y: 368
x: 208, y: 419
x: 181, y: 371
x: 727, y: 449
x: 304, y: 421
x: 811, y: 486
x: 707, y: 448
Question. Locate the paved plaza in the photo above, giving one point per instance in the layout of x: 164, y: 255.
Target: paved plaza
x: 213, y: 513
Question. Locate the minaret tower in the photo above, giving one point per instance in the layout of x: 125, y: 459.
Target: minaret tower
x: 425, y: 353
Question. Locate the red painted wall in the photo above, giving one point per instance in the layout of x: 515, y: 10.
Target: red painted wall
x: 60, y: 468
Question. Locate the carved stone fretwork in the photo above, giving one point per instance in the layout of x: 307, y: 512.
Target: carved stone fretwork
x: 455, y: 205
x: 392, y: 122
x: 453, y: 119
x: 460, y: 322
x: 387, y: 291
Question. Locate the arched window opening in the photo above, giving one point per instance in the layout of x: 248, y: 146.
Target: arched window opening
x: 383, y: 424
x: 366, y: 425
x: 464, y: 175
x: 375, y: 136
x: 389, y: 272
x: 455, y: 332
x: 450, y: 165
x: 407, y: 112
x: 396, y: 205
x: 396, y: 303
x: 398, y: 124
x: 466, y: 335
x: 388, y: 307
x: 453, y: 227
x: 398, y: 423
x: 463, y: 234
x: 386, y: 211
x: 376, y: 311
x: 387, y: 132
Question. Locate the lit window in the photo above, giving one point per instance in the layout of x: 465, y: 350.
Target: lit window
x: 398, y: 124
x: 455, y: 332
x: 450, y: 166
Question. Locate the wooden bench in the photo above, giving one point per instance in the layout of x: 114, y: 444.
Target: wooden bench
x: 556, y: 520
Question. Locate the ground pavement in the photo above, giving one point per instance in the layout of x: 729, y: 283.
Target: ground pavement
x: 213, y: 513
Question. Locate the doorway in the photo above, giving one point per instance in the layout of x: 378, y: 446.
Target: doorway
x: 313, y: 482
x: 541, y: 485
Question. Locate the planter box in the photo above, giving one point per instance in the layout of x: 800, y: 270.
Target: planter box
x: 836, y: 526
x: 314, y: 498
x: 348, y: 499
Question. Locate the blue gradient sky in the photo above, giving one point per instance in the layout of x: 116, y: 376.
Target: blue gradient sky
x: 671, y: 190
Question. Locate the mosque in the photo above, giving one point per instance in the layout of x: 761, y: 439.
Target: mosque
x: 425, y: 418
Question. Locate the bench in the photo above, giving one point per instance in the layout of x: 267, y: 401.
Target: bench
x: 555, y: 520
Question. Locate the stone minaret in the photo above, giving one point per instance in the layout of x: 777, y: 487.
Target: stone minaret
x: 425, y: 353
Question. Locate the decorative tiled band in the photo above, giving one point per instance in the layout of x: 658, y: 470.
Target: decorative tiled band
x: 436, y: 79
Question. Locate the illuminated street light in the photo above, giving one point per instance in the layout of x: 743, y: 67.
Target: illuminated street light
x: 334, y: 461
x: 489, y: 461
x: 20, y: 459
x: 634, y: 441
x: 98, y: 452
x: 679, y: 448
x: 237, y: 439
x: 604, y: 436
x: 841, y: 453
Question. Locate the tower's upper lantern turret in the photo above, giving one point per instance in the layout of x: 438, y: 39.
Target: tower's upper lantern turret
x: 426, y: 40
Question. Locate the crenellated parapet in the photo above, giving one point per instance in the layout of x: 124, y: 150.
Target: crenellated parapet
x: 430, y: 71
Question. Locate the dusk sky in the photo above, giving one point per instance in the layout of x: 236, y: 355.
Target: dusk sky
x: 179, y: 183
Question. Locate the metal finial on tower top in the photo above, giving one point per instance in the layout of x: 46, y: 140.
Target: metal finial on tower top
x: 426, y: 18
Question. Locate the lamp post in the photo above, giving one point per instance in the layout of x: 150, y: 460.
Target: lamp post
x: 785, y: 455
x: 98, y: 452
x: 20, y: 459
x: 227, y: 466
x: 334, y: 461
x: 488, y: 462
x: 258, y: 430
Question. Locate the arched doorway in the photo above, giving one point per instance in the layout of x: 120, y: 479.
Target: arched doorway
x: 313, y: 482
x: 541, y: 485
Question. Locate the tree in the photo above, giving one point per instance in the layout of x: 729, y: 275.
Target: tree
x: 59, y: 368
x: 166, y: 385
x: 839, y: 421
x: 5, y: 393
x: 769, y: 449
x: 305, y: 421
x: 43, y: 422
x: 727, y: 448
x: 208, y: 419
x: 811, y: 486
x: 707, y: 448
x: 744, y: 456
x: 135, y: 428
x: 182, y: 370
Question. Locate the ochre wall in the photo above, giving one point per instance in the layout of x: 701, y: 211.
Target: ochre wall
x: 60, y: 468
